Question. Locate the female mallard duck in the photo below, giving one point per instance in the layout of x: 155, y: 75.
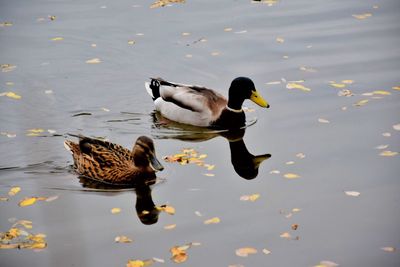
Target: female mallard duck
x: 199, y: 106
x: 113, y: 164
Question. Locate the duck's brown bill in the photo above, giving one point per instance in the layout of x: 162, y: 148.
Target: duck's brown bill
x: 155, y: 164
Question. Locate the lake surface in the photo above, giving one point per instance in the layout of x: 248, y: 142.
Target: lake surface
x: 329, y: 193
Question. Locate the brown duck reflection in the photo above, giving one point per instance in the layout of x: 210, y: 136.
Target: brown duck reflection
x: 146, y: 210
x: 244, y: 163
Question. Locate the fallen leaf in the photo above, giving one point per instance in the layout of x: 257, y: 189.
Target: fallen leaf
x: 170, y: 226
x: 123, y: 239
x: 380, y: 147
x: 381, y: 92
x: 6, y: 24
x: 294, y: 226
x: 57, y: 39
x: 387, y: 134
x: 167, y: 209
x: 291, y: 176
x: 115, y: 210
x: 396, y: 88
x: 7, y: 67
x: 327, y: 264
x: 293, y: 85
x: 388, y: 153
x: 321, y: 120
x: 93, y: 61
x: 361, y: 103
x: 209, y: 174
x: 280, y: 40
x: 25, y: 223
x: 352, y: 193
x: 266, y: 251
x: 131, y: 42
x: 162, y: 3
x: 289, y: 162
x: 389, y: 249
x: 300, y: 155
x: 27, y: 201
x: 228, y: 29
x: 246, y: 251
x: 396, y: 127
x: 286, y: 235
x: 11, y: 95
x: 178, y: 255
x: 296, y: 210
x: 347, y: 81
x: 307, y: 69
x: 345, y: 92
x: 3, y: 198
x: 251, y: 198
x: 338, y: 85
x: 213, y: 220
x: 362, y: 16
x: 198, y: 213
x: 14, y: 190
x: 274, y: 172
x: 135, y: 263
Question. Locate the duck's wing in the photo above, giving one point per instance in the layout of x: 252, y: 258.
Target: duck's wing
x: 191, y: 97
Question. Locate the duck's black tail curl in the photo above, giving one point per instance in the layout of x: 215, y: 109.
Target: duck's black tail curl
x: 153, y: 88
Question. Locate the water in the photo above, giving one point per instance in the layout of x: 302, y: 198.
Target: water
x: 55, y: 84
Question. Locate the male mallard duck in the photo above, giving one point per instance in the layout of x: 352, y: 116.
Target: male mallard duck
x: 199, y: 106
x: 113, y: 164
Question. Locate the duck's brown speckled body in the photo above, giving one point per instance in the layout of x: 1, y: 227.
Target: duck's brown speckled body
x: 113, y: 164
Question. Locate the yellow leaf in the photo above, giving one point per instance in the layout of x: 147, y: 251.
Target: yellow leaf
x: 291, y: 176
x: 244, y: 252
x: 347, y: 81
x: 122, y: 239
x: 37, y: 130
x: 27, y: 201
x: 214, y: 220
x: 296, y: 210
x: 170, y: 227
x: 361, y: 102
x: 25, y: 223
x: 57, y: 39
x: 362, y: 16
x: 228, y: 29
x: 168, y: 209
x: 131, y: 42
x: 251, y: 198
x: 13, y: 191
x: 338, y: 85
x: 293, y: 85
x: 135, y: 263
x: 11, y: 95
x: 285, y: 235
x: 209, y: 174
x: 388, y: 153
x: 115, y: 210
x: 381, y: 92
x: 396, y: 88
x: 161, y: 3
x: 178, y: 255
x: 93, y: 61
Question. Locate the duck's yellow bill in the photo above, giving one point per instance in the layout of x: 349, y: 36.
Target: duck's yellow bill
x: 258, y: 99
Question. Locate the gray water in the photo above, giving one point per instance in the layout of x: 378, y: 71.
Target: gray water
x: 192, y: 43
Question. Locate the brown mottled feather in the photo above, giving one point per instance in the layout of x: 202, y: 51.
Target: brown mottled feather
x: 105, y: 161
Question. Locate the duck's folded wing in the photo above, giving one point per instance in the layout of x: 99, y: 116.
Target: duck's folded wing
x: 193, y: 98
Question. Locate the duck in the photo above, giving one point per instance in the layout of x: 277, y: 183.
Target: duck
x: 203, y: 107
x: 113, y: 164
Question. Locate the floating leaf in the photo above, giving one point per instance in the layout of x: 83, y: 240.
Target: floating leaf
x: 57, y: 39
x: 168, y: 209
x: 131, y: 42
x: 228, y: 29
x: 387, y: 134
x: 293, y: 85
x: 321, y: 120
x: 389, y: 249
x: 93, y: 61
x: 347, y: 81
x: 6, y: 24
x: 300, y: 155
x: 3, y: 198
x: 307, y: 69
x: 396, y: 127
x: 213, y: 220
x: 380, y: 147
x: 162, y: 3
x: 274, y: 172
x: 178, y: 254
x: 396, y: 88
x: 295, y: 226
x: 266, y: 251
x: 115, y: 210
x: 381, y: 92
x: 338, y: 85
x: 286, y: 235
x: 198, y: 213
x: 123, y: 239
x: 170, y: 226
x: 280, y: 40
x: 209, y: 174
x: 291, y: 176
x: 345, y: 92
x: 7, y: 67
x: 251, y: 198
x: 27, y: 201
x: 361, y: 102
x: 135, y: 263
x: 326, y: 264
x: 25, y: 223
x: 388, y: 153
x: 14, y: 190
x: 362, y: 16
x: 246, y: 251
x: 352, y: 193
x: 11, y: 95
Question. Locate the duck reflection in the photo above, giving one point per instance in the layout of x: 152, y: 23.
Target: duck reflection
x: 245, y: 164
x: 146, y: 210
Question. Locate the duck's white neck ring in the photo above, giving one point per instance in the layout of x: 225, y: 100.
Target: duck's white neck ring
x: 234, y: 110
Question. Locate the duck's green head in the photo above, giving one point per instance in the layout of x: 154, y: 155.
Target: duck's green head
x: 145, y: 154
x: 243, y: 88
